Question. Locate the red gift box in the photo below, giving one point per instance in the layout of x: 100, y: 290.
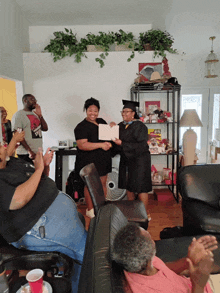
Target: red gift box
x: 163, y: 194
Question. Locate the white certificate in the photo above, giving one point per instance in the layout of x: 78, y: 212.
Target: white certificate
x: 108, y: 133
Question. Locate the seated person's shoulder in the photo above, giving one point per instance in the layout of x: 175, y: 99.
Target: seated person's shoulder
x: 158, y: 262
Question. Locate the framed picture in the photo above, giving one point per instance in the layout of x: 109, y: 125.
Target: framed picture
x: 147, y: 69
x: 63, y: 144
x: 154, y: 135
x: 151, y: 106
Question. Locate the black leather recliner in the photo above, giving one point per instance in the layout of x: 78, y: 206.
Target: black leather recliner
x: 134, y: 210
x: 200, y: 191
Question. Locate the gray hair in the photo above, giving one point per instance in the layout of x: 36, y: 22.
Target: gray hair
x: 131, y: 249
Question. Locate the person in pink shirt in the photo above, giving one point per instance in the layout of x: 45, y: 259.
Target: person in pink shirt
x: 134, y: 250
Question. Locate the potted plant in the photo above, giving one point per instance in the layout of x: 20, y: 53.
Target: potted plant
x: 66, y: 44
x: 156, y: 40
x: 100, y: 42
x: 124, y: 41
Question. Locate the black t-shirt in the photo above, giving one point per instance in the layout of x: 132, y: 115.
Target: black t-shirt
x: 101, y: 158
x: 15, y: 223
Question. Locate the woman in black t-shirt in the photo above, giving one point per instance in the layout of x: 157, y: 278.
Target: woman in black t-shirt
x: 91, y: 149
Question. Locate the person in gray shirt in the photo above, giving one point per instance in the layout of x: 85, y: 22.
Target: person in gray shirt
x: 29, y: 119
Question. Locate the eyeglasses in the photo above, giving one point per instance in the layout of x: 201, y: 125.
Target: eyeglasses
x: 125, y: 112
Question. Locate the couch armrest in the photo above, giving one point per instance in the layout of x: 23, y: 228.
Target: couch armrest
x: 86, y: 275
x: 200, y: 215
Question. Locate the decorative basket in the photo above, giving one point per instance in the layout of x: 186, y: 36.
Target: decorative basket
x: 147, y: 47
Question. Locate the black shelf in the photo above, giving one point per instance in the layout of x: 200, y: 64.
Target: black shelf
x: 164, y: 123
x: 150, y: 88
x: 170, y: 154
x: 172, y: 95
x: 162, y: 184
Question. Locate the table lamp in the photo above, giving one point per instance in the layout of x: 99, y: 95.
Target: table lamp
x: 217, y: 134
x: 189, y: 119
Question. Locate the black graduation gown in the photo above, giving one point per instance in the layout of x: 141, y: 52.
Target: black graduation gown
x: 135, y: 158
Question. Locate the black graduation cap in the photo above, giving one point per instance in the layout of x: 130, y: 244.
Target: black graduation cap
x: 130, y: 104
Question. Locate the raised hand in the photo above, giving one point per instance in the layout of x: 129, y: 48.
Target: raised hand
x: 37, y: 110
x: 19, y: 136
x: 209, y: 242
x: 39, y: 162
x: 198, y: 248
x: 32, y: 155
x: 199, y: 273
x: 48, y: 157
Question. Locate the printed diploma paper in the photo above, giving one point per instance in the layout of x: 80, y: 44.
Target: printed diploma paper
x: 108, y: 133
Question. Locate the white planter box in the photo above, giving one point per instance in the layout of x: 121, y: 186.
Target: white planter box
x: 93, y: 48
x: 123, y: 47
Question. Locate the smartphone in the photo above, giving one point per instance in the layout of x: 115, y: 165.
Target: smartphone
x: 19, y: 129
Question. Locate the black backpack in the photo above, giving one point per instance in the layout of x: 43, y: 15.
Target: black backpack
x: 75, y: 186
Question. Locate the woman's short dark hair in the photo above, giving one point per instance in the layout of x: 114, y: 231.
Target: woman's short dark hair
x: 91, y: 102
x: 131, y: 249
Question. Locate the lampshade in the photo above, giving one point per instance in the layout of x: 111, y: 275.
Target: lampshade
x: 217, y: 134
x: 190, y: 118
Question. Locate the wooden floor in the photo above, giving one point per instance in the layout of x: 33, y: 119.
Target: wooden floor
x: 163, y: 214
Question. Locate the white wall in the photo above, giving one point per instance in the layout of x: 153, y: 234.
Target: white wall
x: 61, y: 88
x: 14, y: 39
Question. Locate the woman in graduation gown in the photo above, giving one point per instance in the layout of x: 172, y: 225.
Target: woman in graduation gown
x: 91, y: 149
x: 135, y: 161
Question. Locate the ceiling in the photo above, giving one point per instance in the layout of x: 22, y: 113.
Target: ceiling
x: 95, y: 12
x: 171, y: 15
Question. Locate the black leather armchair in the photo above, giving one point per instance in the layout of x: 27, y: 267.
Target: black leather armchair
x: 133, y: 210
x: 200, y: 191
x: 99, y: 274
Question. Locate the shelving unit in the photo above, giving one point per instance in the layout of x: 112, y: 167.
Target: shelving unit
x: 171, y: 94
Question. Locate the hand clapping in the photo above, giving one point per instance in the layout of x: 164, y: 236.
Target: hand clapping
x: 198, y: 248
x: 48, y: 156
